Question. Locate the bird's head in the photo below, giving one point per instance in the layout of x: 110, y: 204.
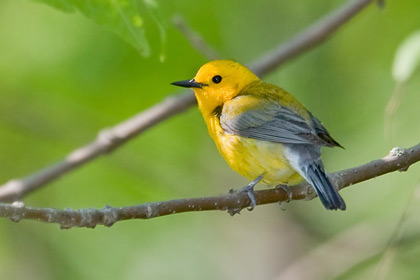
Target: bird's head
x: 217, y: 82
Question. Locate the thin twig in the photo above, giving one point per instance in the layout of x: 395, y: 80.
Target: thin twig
x: 114, y: 137
x: 391, y: 110
x: 398, y: 159
x: 195, y: 39
x: 308, y: 38
x: 388, y: 254
x: 337, y: 255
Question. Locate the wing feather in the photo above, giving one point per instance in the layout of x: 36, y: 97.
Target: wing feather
x: 270, y: 121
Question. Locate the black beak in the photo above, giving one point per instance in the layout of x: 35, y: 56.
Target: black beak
x: 188, y: 84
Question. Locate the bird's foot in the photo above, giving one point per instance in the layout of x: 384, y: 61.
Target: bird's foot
x: 288, y: 192
x: 250, y: 192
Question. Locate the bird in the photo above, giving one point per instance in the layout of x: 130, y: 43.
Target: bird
x: 262, y: 131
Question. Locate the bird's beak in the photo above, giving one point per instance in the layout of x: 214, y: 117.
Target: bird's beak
x: 188, y: 84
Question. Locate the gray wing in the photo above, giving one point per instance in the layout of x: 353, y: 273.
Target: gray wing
x: 273, y: 123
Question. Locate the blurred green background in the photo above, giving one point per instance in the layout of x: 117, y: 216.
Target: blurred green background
x: 63, y: 78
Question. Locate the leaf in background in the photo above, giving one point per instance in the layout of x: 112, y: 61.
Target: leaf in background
x: 120, y: 16
x: 406, y: 62
x: 59, y: 4
x: 153, y: 9
x: 407, y: 58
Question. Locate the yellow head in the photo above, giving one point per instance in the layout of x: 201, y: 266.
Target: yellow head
x: 217, y: 82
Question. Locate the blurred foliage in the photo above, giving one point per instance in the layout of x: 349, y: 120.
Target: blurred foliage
x: 64, y: 78
x: 407, y: 58
x: 120, y: 16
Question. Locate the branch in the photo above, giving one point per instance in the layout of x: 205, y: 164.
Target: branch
x: 308, y: 38
x: 106, y: 141
x: 387, y: 256
x: 114, y: 137
x: 195, y: 38
x: 391, y: 110
x: 345, y: 251
x: 398, y: 159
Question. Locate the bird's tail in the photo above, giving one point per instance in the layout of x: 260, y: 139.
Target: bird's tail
x: 329, y: 196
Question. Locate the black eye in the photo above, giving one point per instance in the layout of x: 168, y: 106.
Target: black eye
x: 216, y: 79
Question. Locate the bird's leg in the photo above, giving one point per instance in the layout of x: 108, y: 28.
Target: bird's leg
x: 250, y: 191
x: 287, y: 190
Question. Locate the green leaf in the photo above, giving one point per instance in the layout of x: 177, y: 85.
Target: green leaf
x: 120, y: 16
x: 154, y: 11
x: 59, y: 4
x: 407, y: 58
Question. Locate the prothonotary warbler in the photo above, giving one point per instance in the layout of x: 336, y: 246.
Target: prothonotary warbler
x: 261, y: 130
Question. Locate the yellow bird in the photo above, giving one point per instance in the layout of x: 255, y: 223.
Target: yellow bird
x: 261, y: 130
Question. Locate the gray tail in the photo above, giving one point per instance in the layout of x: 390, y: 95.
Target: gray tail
x: 326, y: 192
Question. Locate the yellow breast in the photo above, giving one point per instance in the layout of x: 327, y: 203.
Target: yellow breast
x: 252, y: 158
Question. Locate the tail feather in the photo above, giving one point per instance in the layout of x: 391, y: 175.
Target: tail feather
x: 326, y: 192
x: 305, y: 159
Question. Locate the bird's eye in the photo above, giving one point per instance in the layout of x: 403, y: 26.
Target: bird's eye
x: 216, y: 79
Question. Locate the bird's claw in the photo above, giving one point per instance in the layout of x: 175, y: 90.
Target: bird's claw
x: 288, y: 192
x: 250, y: 192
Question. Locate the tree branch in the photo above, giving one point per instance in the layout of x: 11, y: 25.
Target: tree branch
x: 308, y: 38
x: 354, y: 246
x: 195, y: 38
x: 112, y: 138
x: 106, y: 141
x: 398, y: 159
